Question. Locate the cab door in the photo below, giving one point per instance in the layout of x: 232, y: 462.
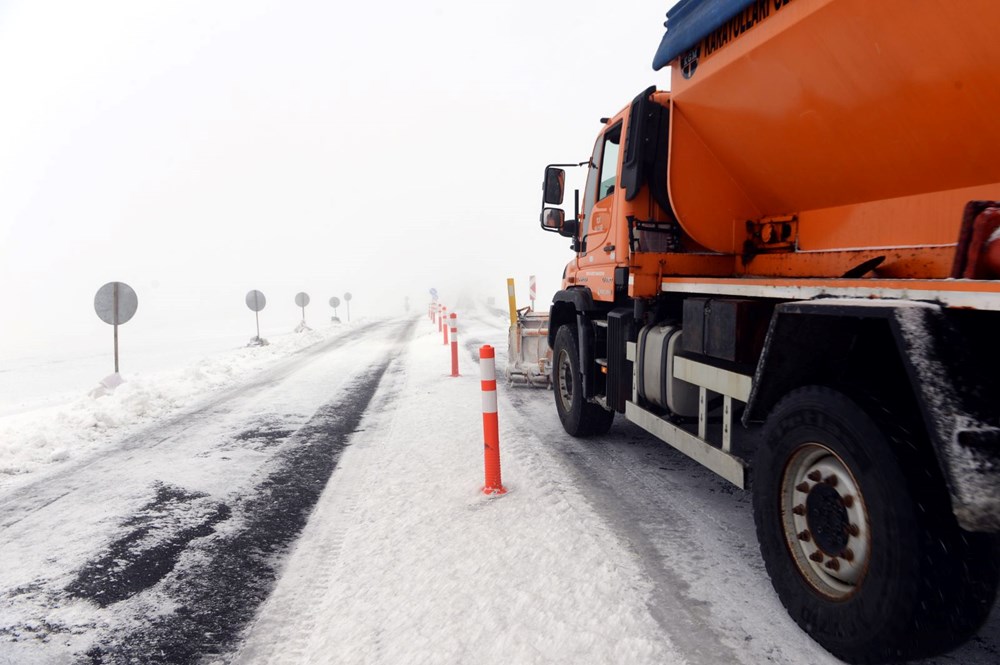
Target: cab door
x: 597, y: 260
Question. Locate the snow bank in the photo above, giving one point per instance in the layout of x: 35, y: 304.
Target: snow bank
x: 35, y: 439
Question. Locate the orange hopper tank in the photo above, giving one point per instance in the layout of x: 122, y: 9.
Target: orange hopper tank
x: 867, y: 125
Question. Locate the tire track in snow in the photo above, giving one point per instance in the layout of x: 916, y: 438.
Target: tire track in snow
x: 317, y: 558
x: 686, y: 620
x: 216, y: 592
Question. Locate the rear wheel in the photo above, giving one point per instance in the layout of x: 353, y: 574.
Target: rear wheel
x: 579, y: 417
x: 856, y: 531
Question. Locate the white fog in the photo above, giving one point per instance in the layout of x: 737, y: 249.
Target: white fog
x: 196, y: 150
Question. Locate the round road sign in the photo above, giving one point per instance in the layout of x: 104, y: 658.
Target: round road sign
x: 335, y: 302
x: 347, y: 296
x: 116, y: 303
x: 301, y: 298
x: 256, y: 300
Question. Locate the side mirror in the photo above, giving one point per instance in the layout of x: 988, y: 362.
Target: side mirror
x: 555, y: 183
x: 554, y: 219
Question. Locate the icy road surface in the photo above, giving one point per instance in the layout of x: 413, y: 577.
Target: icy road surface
x: 327, y: 511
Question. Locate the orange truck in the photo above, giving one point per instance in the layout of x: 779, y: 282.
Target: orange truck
x: 786, y: 267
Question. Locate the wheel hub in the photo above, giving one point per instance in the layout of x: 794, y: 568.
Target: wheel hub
x: 564, y: 372
x: 825, y: 521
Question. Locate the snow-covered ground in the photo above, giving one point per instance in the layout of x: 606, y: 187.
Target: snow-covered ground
x: 327, y: 509
x: 33, y: 378
x: 405, y: 560
x: 85, y: 418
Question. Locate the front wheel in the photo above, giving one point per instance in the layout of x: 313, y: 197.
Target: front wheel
x: 579, y: 417
x: 856, y: 532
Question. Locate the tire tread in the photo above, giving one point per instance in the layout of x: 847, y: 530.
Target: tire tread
x: 947, y: 578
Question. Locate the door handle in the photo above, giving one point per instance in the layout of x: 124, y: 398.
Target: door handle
x: 609, y: 248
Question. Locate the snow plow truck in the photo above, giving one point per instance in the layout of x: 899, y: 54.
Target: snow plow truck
x: 788, y: 268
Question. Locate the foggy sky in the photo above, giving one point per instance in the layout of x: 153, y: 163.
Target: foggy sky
x: 197, y: 150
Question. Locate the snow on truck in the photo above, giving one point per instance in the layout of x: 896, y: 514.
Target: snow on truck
x: 788, y: 268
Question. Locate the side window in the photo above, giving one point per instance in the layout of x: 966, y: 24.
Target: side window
x: 601, y: 177
x: 609, y: 162
x: 590, y: 193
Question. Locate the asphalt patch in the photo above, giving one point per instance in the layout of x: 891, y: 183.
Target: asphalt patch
x: 267, y: 434
x: 156, y: 536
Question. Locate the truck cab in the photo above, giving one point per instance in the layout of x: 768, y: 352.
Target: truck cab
x: 626, y: 226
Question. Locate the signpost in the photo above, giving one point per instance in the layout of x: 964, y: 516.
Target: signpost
x: 347, y: 299
x: 256, y: 302
x: 335, y: 303
x: 302, y: 299
x: 116, y: 303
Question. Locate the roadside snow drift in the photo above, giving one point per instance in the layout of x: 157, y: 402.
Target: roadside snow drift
x: 39, y: 438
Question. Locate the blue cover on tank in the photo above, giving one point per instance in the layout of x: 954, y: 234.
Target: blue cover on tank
x: 689, y: 21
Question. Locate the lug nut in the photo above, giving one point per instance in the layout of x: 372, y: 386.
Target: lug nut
x: 803, y: 487
x: 848, y: 555
x: 831, y: 480
x: 833, y: 564
x: 853, y: 530
x: 847, y: 500
x: 817, y: 557
x: 799, y: 509
x: 815, y: 476
x: 805, y: 535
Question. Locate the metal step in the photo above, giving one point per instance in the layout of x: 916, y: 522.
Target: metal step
x: 725, y: 464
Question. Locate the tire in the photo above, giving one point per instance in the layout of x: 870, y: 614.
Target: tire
x: 908, y: 581
x: 579, y: 417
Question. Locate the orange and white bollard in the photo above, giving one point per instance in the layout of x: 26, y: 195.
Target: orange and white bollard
x: 444, y: 336
x: 454, y: 344
x: 441, y: 311
x: 491, y: 426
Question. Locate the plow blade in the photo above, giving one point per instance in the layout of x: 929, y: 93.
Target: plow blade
x: 529, y: 358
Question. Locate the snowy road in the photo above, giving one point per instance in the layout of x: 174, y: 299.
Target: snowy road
x: 328, y: 511
x: 159, y: 549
